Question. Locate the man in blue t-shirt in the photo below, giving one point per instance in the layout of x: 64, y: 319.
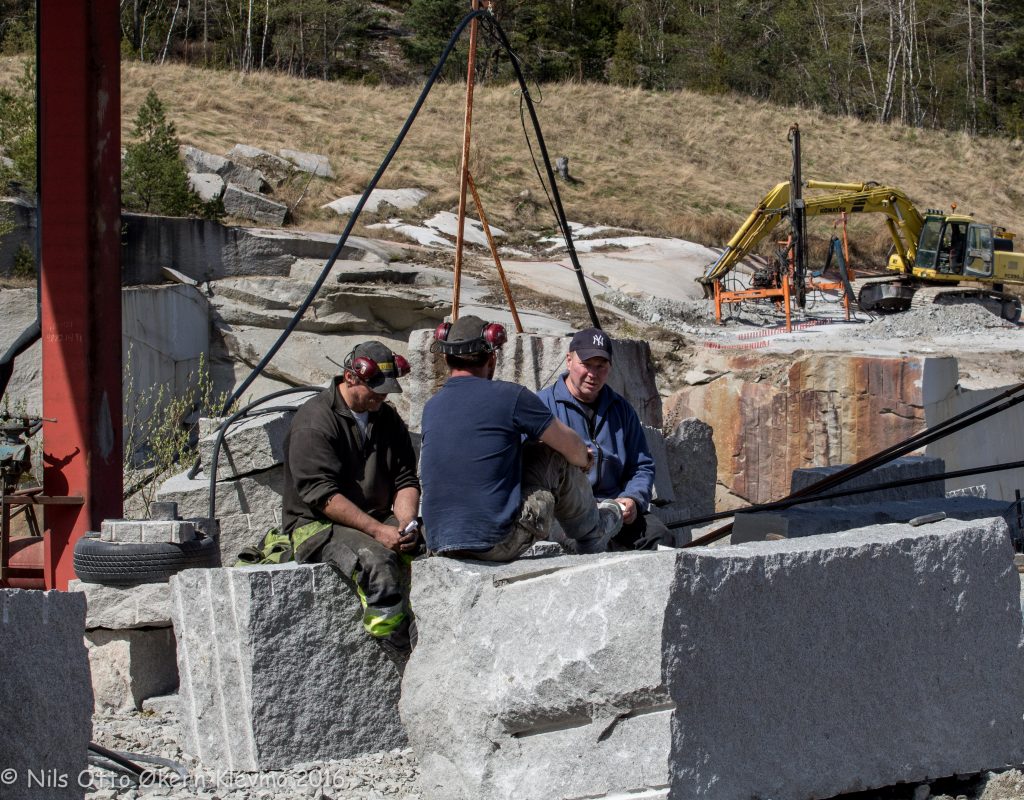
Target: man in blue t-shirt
x: 496, y: 466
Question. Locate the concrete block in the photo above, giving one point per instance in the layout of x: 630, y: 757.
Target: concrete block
x: 178, y: 531
x: 801, y: 668
x: 46, y: 715
x: 804, y: 521
x: 246, y: 508
x: 120, y: 608
x: 692, y: 467
x: 276, y: 669
x: 897, y: 470
x: 129, y: 666
x: 845, y: 663
x: 239, y: 202
x: 123, y: 531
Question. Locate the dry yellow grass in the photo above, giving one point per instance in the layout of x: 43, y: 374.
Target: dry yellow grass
x: 673, y: 163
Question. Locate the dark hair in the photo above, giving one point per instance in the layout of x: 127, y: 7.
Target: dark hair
x: 467, y: 361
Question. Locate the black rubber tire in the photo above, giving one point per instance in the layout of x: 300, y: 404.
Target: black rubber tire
x: 117, y: 564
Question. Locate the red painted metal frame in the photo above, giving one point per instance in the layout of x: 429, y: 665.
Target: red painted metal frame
x: 80, y: 225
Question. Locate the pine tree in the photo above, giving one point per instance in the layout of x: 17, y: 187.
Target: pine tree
x: 153, y: 178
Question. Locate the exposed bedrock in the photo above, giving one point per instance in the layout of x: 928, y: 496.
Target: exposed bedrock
x: 773, y: 415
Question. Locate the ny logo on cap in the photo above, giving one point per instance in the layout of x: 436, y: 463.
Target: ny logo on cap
x: 598, y: 340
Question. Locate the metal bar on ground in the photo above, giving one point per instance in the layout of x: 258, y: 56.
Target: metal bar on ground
x: 494, y: 252
x: 79, y: 134
x: 460, y: 239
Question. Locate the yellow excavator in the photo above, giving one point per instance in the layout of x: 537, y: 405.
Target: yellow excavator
x: 935, y: 257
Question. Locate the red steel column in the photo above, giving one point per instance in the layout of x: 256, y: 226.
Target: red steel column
x: 80, y: 226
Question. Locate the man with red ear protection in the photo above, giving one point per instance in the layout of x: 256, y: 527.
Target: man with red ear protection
x: 351, y: 491
x: 497, y: 465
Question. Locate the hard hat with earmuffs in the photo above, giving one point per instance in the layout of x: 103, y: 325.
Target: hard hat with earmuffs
x: 377, y: 366
x: 468, y: 335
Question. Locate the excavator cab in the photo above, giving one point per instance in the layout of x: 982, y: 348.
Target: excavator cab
x: 955, y: 247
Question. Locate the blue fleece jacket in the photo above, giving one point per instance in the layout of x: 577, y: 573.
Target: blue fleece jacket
x: 623, y: 466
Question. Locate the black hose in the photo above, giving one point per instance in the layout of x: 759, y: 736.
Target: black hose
x: 315, y: 289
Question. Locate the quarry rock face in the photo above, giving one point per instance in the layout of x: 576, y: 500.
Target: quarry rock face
x: 801, y: 668
x: 772, y: 416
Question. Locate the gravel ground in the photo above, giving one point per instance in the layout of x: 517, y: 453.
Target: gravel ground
x: 379, y: 776
x: 376, y: 776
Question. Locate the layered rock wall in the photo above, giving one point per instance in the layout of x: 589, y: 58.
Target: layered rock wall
x: 772, y: 416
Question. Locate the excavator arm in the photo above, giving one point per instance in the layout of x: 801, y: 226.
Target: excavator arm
x: 903, y: 220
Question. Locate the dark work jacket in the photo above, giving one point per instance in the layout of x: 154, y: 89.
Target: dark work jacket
x: 325, y: 454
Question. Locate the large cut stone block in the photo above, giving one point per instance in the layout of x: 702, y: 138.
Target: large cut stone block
x: 124, y: 607
x: 276, y: 669
x: 535, y: 362
x: 239, y: 202
x: 777, y: 669
x: 845, y: 663
x: 555, y: 668
x: 129, y: 666
x: 46, y: 713
x: 896, y: 470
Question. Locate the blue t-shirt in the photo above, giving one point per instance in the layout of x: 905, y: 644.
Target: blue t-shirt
x: 471, y: 460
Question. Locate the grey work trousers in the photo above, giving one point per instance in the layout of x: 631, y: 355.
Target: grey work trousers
x: 552, y: 488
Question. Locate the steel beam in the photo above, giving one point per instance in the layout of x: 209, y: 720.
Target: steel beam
x: 79, y: 110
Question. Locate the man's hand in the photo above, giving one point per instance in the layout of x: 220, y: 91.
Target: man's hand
x: 388, y: 535
x: 628, y: 505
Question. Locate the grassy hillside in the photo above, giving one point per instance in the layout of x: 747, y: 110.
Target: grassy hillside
x: 673, y: 163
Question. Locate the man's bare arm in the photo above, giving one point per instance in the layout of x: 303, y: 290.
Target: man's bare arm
x: 563, y: 439
x: 406, y: 505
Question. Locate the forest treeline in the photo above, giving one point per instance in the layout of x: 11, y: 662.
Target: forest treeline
x: 952, y: 64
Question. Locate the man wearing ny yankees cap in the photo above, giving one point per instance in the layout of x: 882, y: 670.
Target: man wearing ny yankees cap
x: 623, y: 469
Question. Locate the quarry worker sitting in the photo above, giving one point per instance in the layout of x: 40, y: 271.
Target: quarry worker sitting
x: 497, y: 466
x: 351, y: 490
x: 623, y: 469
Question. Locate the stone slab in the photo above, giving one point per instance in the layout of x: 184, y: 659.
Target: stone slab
x: 898, y: 469
x: 208, y: 185
x: 309, y: 162
x: 129, y: 666
x: 120, y: 608
x: 399, y: 198
x: 839, y: 663
x: 801, y: 521
x: 241, y: 202
x: 845, y: 663
x: 535, y: 362
x: 276, y: 669
x: 46, y: 716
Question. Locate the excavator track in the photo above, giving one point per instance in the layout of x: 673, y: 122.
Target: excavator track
x: 999, y: 303
x: 886, y: 295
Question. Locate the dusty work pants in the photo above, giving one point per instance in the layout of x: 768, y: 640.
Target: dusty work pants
x: 380, y: 577
x: 552, y: 488
x: 645, y: 532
